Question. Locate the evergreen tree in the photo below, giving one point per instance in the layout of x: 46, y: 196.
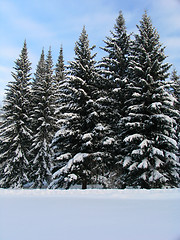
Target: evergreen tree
x: 60, y: 68
x: 117, y: 48
x: 62, y: 99
x: 60, y: 82
x: 175, y: 88
x: 175, y: 91
x: 77, y: 142
x: 149, y: 133
x: 43, y: 121
x: 15, y: 131
x: 114, y: 78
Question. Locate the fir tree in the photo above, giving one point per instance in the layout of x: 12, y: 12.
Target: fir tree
x: 149, y: 133
x: 60, y: 82
x: 43, y: 121
x: 78, y: 139
x: 15, y: 132
x: 114, y: 78
x: 62, y: 99
x: 175, y: 91
x: 117, y: 48
x: 60, y: 68
x: 175, y: 88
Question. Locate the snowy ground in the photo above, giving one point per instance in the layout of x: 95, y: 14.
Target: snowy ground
x: 90, y: 214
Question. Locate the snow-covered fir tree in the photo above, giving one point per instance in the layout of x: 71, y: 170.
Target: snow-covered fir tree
x: 175, y: 90
x: 60, y: 82
x: 15, y: 132
x: 62, y: 99
x: 60, y: 67
x: 149, y: 132
x: 117, y: 48
x: 43, y: 121
x: 78, y: 139
x: 114, y: 77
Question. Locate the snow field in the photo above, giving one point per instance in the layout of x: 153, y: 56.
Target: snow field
x: 90, y: 214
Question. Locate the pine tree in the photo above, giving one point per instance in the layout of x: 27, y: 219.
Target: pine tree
x: 114, y: 76
x: 78, y: 139
x: 43, y: 121
x: 149, y: 133
x: 15, y: 132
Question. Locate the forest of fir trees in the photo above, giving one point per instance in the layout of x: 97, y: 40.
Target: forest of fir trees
x: 108, y: 124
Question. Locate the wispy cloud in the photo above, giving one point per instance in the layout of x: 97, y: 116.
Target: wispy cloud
x: 173, y: 42
x: 19, y: 21
x: 9, y: 52
x: 168, y: 14
x: 5, y: 70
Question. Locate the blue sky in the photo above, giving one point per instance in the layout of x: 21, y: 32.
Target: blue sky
x: 45, y: 23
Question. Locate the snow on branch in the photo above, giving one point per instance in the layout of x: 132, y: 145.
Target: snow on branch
x: 133, y: 137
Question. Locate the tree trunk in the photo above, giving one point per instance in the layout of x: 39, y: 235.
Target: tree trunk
x: 84, y: 184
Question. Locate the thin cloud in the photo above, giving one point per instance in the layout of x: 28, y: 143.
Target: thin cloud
x: 168, y: 14
x: 9, y: 52
x: 17, y: 20
x: 4, y: 69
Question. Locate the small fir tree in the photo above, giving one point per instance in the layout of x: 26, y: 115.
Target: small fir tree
x: 62, y: 99
x: 149, y: 133
x: 60, y: 68
x: 15, y: 131
x: 43, y: 121
x: 175, y: 91
x: 60, y: 83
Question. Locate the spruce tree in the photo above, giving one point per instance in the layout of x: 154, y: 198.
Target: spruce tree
x: 114, y: 78
x: 15, y: 131
x: 175, y: 91
x: 149, y: 129
x: 43, y: 121
x: 60, y: 67
x: 175, y: 88
x: 62, y: 99
x: 60, y: 82
x: 79, y: 137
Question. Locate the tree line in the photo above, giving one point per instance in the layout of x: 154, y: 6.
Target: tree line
x: 112, y: 123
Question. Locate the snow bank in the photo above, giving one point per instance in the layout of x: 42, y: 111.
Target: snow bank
x: 90, y: 214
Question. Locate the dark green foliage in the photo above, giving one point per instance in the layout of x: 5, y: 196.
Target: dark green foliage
x: 150, y: 145
x: 15, y: 131
x: 175, y: 91
x: 79, y: 137
x: 43, y: 121
x: 114, y: 78
x: 115, y: 124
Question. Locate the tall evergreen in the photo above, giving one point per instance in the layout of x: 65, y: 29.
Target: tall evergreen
x: 60, y: 82
x: 175, y: 91
x: 114, y: 77
x: 175, y: 88
x: 78, y: 139
x: 62, y: 99
x: 117, y: 48
x: 15, y: 131
x: 149, y: 133
x: 43, y: 121
x: 60, y: 67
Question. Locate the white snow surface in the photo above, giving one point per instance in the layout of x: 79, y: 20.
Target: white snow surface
x: 90, y: 214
